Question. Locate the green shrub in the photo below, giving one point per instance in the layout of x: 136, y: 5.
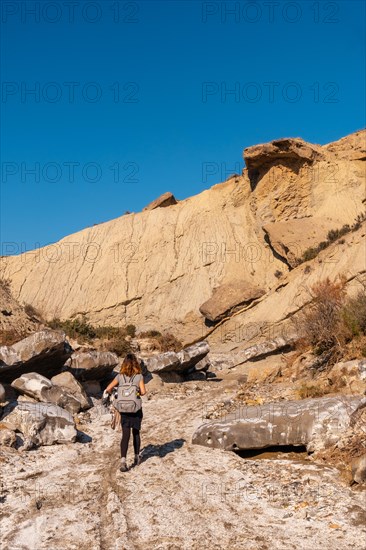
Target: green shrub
x: 332, y: 236
x: 77, y: 328
x: 309, y: 254
x: 112, y: 338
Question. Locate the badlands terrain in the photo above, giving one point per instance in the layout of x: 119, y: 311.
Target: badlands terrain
x: 254, y: 436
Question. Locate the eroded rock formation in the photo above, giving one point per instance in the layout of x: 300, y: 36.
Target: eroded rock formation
x: 42, y: 423
x: 314, y: 423
x: 156, y: 268
x: 47, y: 349
x: 91, y: 365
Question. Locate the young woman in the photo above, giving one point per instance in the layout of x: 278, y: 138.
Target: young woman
x: 130, y: 371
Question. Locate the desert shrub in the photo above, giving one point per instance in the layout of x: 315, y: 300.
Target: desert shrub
x: 118, y: 345
x: 321, y: 323
x: 360, y: 218
x: 162, y: 342
x: 333, y: 325
x: 309, y: 390
x: 332, y: 236
x: 111, y: 338
x: 77, y: 328
x: 114, y: 338
x: 354, y: 313
x: 5, y: 285
x: 309, y: 254
x: 109, y: 331
x: 150, y: 334
x: 32, y: 312
x: 168, y: 342
x: 131, y: 330
x: 335, y: 234
x: 278, y: 274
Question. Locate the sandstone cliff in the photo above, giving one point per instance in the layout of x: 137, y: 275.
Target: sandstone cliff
x: 156, y: 268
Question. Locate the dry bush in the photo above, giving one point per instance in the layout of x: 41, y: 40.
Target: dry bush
x: 168, y: 342
x: 117, y: 345
x: 309, y: 390
x: 162, y: 342
x: 322, y: 326
x: 5, y: 285
x: 32, y: 312
x: 354, y: 313
x: 77, y: 328
x: 333, y: 323
x: 110, y: 338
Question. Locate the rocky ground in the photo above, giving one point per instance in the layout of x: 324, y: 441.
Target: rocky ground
x: 182, y: 496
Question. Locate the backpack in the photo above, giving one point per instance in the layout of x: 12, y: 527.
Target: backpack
x: 128, y: 399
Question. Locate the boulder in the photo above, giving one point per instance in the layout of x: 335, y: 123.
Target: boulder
x: 91, y: 365
x: 166, y: 199
x: 358, y: 467
x: 67, y: 381
x: 168, y: 361
x: 44, y: 352
x: 178, y: 363
x: 7, y: 437
x: 229, y: 297
x: 41, y: 388
x: 262, y: 349
x: 315, y: 423
x: 203, y: 365
x: 190, y: 356
x: 42, y: 423
x: 92, y: 387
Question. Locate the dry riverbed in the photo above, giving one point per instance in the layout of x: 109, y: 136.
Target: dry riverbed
x: 182, y: 496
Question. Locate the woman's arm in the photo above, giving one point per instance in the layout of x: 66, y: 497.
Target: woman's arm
x: 112, y: 385
x: 142, y: 387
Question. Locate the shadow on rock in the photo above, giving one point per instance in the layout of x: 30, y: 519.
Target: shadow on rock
x: 82, y: 437
x: 161, y: 450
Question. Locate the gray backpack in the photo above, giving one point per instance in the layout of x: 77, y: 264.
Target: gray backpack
x: 128, y: 399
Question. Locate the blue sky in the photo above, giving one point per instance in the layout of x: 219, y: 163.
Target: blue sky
x: 130, y: 104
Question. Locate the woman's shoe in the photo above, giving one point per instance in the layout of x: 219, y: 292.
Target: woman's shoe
x: 123, y: 467
x: 137, y: 460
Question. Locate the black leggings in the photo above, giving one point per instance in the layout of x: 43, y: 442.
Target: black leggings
x: 126, y: 431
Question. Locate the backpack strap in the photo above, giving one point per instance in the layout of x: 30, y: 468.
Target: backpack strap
x: 131, y: 378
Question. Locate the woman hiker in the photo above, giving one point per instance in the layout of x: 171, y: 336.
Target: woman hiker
x: 131, y: 387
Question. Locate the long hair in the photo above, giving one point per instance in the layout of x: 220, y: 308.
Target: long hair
x: 130, y: 365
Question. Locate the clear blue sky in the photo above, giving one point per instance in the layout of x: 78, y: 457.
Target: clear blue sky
x: 143, y: 89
